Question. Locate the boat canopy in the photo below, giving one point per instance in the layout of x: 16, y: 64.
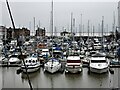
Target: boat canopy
x: 54, y: 59
x: 58, y: 48
x: 98, y: 55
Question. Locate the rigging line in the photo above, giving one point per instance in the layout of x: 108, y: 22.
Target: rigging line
x: 21, y: 51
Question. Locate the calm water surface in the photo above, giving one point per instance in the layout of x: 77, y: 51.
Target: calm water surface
x: 42, y: 79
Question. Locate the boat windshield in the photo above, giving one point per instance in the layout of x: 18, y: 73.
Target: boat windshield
x: 14, y: 56
x: 73, y: 61
x: 55, y: 60
x: 74, y: 54
x: 34, y: 55
x: 98, y: 61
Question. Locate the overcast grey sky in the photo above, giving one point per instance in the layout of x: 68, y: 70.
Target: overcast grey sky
x: 23, y: 13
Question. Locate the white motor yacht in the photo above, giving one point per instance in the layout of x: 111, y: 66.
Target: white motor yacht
x: 74, y: 64
x: 98, y: 63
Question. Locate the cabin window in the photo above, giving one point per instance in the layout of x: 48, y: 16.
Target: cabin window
x: 33, y: 61
x: 29, y: 61
x: 73, y: 61
x: 98, y: 61
x: 26, y: 61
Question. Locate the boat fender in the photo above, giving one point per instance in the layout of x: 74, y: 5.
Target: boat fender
x: 111, y: 70
x: 19, y: 71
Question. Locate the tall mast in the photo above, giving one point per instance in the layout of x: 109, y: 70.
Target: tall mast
x: 93, y: 30
x: 52, y: 26
x: 73, y: 28
x: 81, y: 24
x: 71, y: 23
x: 79, y: 30
x: 114, y: 24
x: 11, y: 18
x: 99, y: 29
x: 5, y: 33
x: 88, y: 29
x: 107, y: 29
x: 83, y: 30
x: 102, y: 29
x: 30, y: 25
x: 39, y: 23
x: 52, y: 19
x: 55, y: 31
x: 34, y: 25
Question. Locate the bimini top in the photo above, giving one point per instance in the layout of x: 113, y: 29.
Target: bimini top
x: 53, y: 59
x: 57, y: 48
x: 98, y: 54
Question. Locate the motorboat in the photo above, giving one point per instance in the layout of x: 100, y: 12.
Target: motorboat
x: 52, y: 65
x: 32, y: 64
x: 73, y: 64
x: 98, y: 63
x: 13, y: 59
x: 114, y: 63
x: 45, y: 53
x: 1, y: 45
x: 3, y: 59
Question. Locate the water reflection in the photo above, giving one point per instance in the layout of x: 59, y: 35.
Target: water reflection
x: 31, y: 75
x: 41, y: 79
x: 0, y: 78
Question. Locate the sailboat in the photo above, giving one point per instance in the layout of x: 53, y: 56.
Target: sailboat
x: 53, y: 64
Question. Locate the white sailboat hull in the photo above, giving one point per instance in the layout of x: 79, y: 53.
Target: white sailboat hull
x: 52, y: 69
